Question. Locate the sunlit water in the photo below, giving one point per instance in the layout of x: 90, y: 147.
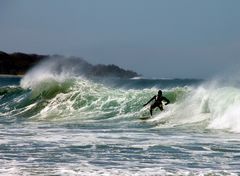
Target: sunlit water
x: 80, y: 127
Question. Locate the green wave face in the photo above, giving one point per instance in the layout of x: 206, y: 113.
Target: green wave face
x: 81, y: 98
x: 85, y: 99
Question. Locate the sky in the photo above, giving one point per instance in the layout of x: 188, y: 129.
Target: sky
x: 156, y: 38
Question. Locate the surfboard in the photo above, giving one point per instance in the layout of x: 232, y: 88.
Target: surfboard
x: 144, y: 117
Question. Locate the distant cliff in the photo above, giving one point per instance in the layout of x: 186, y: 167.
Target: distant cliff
x: 20, y: 63
x: 17, y: 63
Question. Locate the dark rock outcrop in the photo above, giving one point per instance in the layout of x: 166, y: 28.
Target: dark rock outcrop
x: 20, y: 63
x: 17, y: 63
x: 111, y: 71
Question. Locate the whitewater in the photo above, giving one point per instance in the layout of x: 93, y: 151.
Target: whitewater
x: 54, y: 121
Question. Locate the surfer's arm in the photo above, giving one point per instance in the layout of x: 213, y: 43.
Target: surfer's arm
x: 166, y: 100
x: 150, y: 100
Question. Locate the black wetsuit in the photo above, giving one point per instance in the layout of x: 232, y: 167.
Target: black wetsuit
x: 158, y: 102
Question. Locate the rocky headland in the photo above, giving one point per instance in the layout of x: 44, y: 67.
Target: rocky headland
x: 19, y: 63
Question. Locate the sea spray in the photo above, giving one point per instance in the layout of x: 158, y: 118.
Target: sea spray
x: 54, y: 91
x: 80, y: 126
x: 224, y: 106
x: 55, y: 98
x: 56, y: 69
x: 217, y: 105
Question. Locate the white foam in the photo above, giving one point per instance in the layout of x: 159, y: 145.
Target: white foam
x: 53, y: 69
x: 229, y: 119
x: 218, y: 105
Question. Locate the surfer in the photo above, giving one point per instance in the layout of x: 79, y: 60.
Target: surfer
x: 158, y: 101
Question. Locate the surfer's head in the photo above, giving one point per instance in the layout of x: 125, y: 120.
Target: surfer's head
x: 160, y: 92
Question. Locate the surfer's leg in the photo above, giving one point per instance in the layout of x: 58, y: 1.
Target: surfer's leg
x: 152, y: 107
x: 160, y: 107
x: 151, y: 111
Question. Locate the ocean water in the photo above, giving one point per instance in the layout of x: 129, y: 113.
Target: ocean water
x: 56, y: 123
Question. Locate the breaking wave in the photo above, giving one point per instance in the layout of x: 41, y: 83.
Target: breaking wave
x: 45, y: 94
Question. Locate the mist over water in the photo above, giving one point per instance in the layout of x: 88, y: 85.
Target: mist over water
x: 57, y: 121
